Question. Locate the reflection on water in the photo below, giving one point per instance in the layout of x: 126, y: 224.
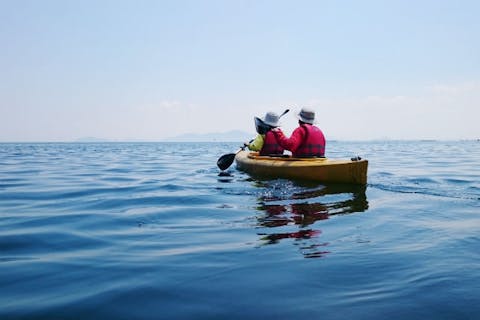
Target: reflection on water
x: 293, y: 210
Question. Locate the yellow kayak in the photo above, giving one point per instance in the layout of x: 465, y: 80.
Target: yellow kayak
x: 313, y: 169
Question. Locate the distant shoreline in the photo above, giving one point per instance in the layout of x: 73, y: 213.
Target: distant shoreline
x: 225, y: 141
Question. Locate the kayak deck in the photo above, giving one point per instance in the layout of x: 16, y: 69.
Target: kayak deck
x: 313, y: 169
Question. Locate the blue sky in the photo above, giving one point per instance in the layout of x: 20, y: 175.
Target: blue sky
x: 149, y: 70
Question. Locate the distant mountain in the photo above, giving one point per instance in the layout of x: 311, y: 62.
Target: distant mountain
x: 229, y: 136
x: 91, y: 139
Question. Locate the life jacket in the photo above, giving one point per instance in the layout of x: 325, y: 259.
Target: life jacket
x: 270, y: 145
x: 313, y: 144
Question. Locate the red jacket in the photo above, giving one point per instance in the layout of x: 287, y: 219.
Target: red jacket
x: 270, y: 145
x: 306, y: 141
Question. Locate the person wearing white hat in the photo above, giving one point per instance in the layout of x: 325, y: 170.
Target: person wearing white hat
x: 265, y: 141
x: 307, y: 140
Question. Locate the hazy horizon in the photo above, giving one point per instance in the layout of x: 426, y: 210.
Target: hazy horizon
x: 184, y: 138
x: 151, y: 70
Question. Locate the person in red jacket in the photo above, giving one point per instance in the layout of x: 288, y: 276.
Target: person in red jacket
x: 307, y: 140
x: 265, y: 141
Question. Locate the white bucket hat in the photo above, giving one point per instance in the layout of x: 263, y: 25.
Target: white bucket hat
x: 271, y: 118
x: 306, y: 115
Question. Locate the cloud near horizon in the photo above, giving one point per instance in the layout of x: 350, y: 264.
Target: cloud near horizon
x: 436, y: 112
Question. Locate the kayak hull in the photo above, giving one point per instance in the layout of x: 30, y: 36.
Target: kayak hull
x: 313, y: 169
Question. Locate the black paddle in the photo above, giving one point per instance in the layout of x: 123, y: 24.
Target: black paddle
x: 226, y: 160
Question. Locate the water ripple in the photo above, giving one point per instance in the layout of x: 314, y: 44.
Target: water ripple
x: 133, y: 230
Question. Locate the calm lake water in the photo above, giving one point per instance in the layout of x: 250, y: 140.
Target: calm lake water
x: 151, y: 231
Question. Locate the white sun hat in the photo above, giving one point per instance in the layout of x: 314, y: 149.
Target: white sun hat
x: 271, y: 118
x: 306, y: 115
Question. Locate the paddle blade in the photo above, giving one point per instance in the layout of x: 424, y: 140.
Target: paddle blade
x: 284, y: 113
x: 226, y: 161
